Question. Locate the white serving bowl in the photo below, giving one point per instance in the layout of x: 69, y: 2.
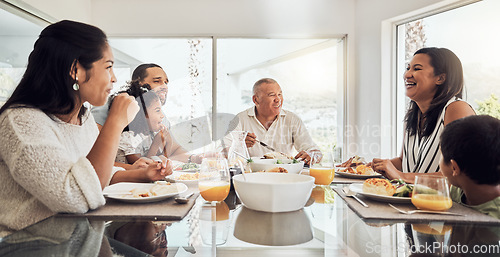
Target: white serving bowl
x: 273, y: 192
x: 267, y: 164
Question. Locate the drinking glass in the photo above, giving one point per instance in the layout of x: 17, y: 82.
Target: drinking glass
x: 431, y: 193
x: 214, y: 181
x: 322, y: 169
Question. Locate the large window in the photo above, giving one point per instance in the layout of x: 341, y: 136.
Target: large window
x: 16, y: 42
x: 213, y: 77
x: 306, y: 69
x: 469, y: 31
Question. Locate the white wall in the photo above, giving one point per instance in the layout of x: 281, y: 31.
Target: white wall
x: 360, y: 19
x: 367, y: 85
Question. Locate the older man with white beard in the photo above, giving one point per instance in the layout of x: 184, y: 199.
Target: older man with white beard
x: 268, y: 122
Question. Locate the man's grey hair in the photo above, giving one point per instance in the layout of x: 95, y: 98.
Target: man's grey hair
x: 260, y: 82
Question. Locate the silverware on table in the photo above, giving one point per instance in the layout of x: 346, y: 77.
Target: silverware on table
x: 183, y: 200
x: 265, y: 145
x: 350, y: 193
x: 425, y: 211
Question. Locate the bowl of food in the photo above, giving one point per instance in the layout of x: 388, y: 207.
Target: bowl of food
x: 273, y: 192
x: 277, y: 165
x: 188, y: 178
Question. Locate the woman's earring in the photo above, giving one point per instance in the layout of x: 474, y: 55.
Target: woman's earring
x: 76, y: 86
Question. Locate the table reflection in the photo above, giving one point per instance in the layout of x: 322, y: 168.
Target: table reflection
x: 441, y: 239
x: 277, y: 229
x: 320, y: 229
x: 146, y: 236
x: 214, y: 221
x: 58, y: 237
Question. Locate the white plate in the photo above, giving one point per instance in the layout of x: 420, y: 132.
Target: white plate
x: 351, y: 175
x: 358, y: 188
x: 114, y: 191
x: 175, y: 178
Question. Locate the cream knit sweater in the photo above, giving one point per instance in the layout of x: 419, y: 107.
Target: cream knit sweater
x: 44, y: 169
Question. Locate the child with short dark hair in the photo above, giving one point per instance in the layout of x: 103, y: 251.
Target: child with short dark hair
x: 470, y: 150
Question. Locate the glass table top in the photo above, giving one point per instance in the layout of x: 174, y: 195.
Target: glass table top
x: 325, y: 227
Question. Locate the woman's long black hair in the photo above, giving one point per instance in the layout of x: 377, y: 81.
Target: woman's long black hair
x: 47, y: 83
x: 446, y: 62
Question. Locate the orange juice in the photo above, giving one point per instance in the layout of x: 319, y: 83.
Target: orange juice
x: 318, y: 194
x: 214, y: 190
x: 431, y: 202
x: 323, y: 175
x: 428, y: 229
x: 221, y: 211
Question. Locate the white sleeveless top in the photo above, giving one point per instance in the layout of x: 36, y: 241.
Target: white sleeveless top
x: 423, y: 155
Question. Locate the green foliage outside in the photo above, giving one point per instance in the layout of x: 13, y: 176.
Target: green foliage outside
x: 490, y: 106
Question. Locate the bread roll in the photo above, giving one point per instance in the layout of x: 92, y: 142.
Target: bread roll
x: 364, y: 170
x: 379, y: 186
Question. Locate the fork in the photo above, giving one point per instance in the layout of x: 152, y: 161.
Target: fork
x: 424, y: 211
x: 352, y: 194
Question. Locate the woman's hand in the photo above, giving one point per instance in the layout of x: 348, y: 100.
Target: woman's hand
x: 122, y: 102
x: 386, y: 168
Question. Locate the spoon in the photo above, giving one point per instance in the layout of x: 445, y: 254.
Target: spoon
x: 183, y: 200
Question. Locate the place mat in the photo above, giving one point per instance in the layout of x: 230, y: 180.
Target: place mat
x: 166, y: 210
x: 382, y: 211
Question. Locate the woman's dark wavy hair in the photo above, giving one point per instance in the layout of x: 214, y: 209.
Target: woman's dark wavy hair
x: 47, y: 83
x: 144, y: 96
x: 446, y: 62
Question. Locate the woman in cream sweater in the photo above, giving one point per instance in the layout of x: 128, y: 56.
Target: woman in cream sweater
x: 52, y: 156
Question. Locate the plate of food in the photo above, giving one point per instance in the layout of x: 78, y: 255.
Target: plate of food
x: 360, y: 171
x: 383, y: 190
x: 277, y: 165
x: 143, y: 192
x: 187, y: 167
x: 355, y: 167
x: 188, y: 178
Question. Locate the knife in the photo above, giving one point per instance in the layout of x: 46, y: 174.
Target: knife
x: 265, y: 145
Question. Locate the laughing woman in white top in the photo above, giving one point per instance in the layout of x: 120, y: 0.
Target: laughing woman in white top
x: 434, y: 83
x: 52, y: 156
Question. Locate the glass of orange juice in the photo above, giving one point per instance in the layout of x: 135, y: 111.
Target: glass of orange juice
x: 214, y: 179
x: 431, y: 193
x: 322, y: 168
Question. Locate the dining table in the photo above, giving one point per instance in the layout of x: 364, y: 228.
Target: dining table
x: 330, y: 224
